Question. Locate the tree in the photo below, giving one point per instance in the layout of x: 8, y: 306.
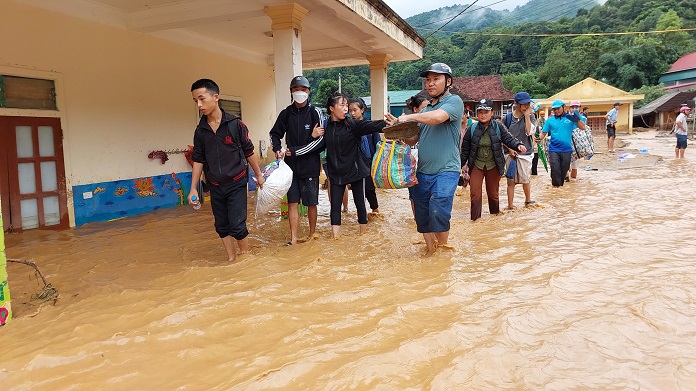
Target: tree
x: 326, y: 88
x: 485, y: 62
x: 526, y: 81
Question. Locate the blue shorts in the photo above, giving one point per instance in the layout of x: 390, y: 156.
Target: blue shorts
x: 432, y: 200
x: 681, y: 141
x: 305, y: 189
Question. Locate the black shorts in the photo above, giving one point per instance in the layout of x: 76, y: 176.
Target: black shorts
x: 305, y: 189
x: 611, y: 131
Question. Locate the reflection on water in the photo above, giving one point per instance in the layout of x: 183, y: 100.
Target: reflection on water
x: 592, y: 289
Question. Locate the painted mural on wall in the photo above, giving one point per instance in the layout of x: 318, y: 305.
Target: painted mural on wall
x: 5, y: 308
x: 113, y: 200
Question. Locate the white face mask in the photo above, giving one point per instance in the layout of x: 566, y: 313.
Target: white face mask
x: 300, y: 96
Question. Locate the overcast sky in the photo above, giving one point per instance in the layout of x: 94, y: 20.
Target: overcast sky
x: 406, y: 8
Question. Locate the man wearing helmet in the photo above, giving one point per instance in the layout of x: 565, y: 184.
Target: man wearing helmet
x: 560, y: 126
x: 300, y: 124
x: 438, y: 156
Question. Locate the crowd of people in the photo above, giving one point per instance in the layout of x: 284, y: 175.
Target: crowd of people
x: 454, y: 147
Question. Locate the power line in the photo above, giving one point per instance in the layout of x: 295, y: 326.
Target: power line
x: 441, y: 20
x: 455, y: 17
x: 569, y: 34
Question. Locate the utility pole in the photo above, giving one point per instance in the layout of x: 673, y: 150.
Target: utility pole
x: 339, y: 82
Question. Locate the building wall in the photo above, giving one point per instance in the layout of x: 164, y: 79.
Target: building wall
x: 122, y: 94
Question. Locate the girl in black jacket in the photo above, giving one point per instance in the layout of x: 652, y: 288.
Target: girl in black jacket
x: 346, y: 164
x: 482, y: 157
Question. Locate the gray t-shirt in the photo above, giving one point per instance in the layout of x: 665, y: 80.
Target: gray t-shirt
x: 517, y: 129
x: 438, y: 148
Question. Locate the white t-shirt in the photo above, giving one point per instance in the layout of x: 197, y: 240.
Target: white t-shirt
x: 681, y: 118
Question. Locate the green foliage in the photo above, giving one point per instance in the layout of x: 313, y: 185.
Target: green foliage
x: 651, y: 93
x: 543, y: 65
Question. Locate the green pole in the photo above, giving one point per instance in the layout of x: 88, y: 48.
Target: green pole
x: 5, y: 309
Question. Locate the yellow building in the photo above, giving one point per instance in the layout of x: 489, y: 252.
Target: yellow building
x: 599, y: 97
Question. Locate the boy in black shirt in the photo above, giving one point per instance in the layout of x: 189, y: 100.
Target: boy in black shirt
x: 221, y: 141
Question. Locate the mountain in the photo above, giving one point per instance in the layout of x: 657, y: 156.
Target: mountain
x: 476, y: 17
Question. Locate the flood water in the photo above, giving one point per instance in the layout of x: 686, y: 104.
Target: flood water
x: 595, y: 288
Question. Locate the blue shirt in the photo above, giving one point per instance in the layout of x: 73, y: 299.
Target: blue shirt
x: 438, y: 147
x: 561, y: 132
x: 612, y: 116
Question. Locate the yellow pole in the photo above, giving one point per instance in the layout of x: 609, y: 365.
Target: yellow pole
x: 5, y: 309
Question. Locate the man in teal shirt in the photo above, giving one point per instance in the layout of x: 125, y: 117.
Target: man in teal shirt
x: 438, y: 156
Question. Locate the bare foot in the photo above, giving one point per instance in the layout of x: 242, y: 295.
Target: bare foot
x: 304, y: 240
x: 446, y: 246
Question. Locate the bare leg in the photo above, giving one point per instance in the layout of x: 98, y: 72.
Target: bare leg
x: 610, y: 144
x: 228, y: 242
x: 363, y: 228
x: 510, y: 195
x: 676, y: 153
x: 681, y: 153
x: 430, y: 241
x: 312, y: 216
x: 294, y: 218
x: 442, y: 238
x: 345, y: 201
x: 573, y: 173
x: 527, y: 188
x: 243, y: 245
x: 336, y: 231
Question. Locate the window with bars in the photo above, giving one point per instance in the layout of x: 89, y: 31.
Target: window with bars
x: 27, y: 93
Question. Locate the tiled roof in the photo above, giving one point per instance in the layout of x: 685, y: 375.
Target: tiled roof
x: 474, y: 88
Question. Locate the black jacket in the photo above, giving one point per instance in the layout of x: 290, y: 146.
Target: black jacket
x: 499, y: 136
x: 222, y: 153
x: 296, y: 125
x: 345, y: 160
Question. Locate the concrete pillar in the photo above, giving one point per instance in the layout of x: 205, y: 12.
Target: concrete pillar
x: 287, y: 47
x: 5, y: 309
x: 378, y: 84
x: 630, y: 118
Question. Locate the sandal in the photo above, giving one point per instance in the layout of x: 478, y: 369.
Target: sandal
x: 529, y: 203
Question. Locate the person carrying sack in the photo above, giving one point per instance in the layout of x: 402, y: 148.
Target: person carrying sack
x: 521, y: 123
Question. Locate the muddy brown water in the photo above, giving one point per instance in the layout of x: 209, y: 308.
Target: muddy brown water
x: 594, y: 288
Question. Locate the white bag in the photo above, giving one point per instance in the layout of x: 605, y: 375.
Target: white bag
x: 278, y: 178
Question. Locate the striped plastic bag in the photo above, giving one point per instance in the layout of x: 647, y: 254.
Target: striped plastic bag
x: 393, y: 166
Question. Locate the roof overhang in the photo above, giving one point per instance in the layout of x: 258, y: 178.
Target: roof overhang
x: 334, y: 32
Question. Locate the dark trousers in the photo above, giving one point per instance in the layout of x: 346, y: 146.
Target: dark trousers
x: 560, y: 163
x: 535, y: 162
x: 229, y: 203
x: 492, y: 178
x: 371, y: 193
x: 337, y: 191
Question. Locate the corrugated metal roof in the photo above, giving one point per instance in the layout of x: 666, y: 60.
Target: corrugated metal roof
x: 667, y: 102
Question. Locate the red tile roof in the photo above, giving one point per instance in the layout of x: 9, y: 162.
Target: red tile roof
x: 475, y: 88
x: 687, y: 61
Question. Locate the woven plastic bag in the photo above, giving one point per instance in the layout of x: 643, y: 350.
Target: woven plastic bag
x: 583, y: 144
x: 278, y: 178
x: 393, y: 166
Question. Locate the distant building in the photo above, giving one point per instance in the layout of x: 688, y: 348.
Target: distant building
x: 599, y: 97
x: 662, y: 112
x: 474, y: 88
x: 396, y: 102
x: 681, y: 75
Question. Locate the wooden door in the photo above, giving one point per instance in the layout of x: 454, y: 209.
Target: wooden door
x: 34, y: 172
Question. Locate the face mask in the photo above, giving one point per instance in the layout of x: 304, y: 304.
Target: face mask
x: 300, y: 96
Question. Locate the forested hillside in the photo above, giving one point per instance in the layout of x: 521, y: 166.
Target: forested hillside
x: 544, y: 57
